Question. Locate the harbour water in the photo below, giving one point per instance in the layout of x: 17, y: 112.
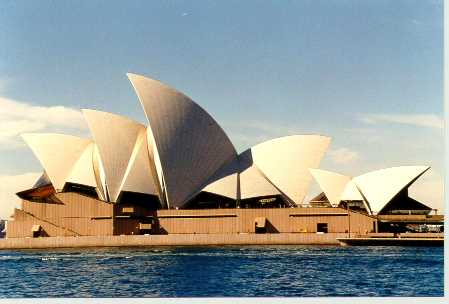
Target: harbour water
x: 281, y: 271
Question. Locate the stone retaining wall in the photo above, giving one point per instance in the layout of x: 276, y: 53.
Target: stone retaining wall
x: 173, y: 240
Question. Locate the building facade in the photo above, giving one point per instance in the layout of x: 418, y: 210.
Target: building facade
x: 182, y: 174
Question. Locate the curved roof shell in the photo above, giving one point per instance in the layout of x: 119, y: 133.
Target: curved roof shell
x: 278, y: 166
x: 191, y: 146
x: 351, y: 192
x: 138, y: 176
x: 252, y: 181
x: 286, y: 161
x: 376, y: 189
x: 82, y: 171
x: 183, y: 151
x: 254, y: 184
x: 381, y: 186
x: 116, y: 138
x: 57, y: 153
x: 225, y: 181
x: 332, y: 184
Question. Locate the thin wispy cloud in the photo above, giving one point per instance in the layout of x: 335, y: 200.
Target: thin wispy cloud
x: 343, y: 155
x: 365, y: 135
x: 20, y: 117
x: 420, y: 120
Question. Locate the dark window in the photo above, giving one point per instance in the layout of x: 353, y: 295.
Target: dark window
x: 321, y: 227
x: 128, y: 199
x: 81, y: 189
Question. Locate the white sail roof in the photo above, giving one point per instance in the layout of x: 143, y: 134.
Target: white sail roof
x: 254, y: 184
x: 351, y: 192
x: 83, y: 171
x: 182, y: 152
x: 225, y: 181
x: 286, y: 161
x: 376, y: 189
x: 191, y: 146
x: 57, y: 154
x: 288, y: 169
x: 252, y: 181
x: 138, y: 176
x: 379, y: 187
x: 332, y: 184
x: 115, y: 137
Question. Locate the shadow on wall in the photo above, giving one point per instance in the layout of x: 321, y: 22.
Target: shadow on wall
x: 271, y: 228
x: 264, y: 226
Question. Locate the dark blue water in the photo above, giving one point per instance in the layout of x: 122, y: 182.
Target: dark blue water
x: 291, y: 271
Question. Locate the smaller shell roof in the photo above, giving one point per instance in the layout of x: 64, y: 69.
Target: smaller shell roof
x: 351, y: 192
x: 285, y: 162
x: 82, y: 171
x: 376, y: 188
x: 277, y: 166
x: 252, y: 181
x: 333, y: 184
x: 138, y: 176
x: 57, y: 154
x: 225, y: 181
x: 115, y: 151
x: 381, y: 186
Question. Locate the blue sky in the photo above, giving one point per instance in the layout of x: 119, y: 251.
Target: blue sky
x: 367, y: 73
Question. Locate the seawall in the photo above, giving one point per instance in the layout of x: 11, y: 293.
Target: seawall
x: 173, y: 240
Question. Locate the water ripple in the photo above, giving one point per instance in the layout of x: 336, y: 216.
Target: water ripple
x: 223, y: 271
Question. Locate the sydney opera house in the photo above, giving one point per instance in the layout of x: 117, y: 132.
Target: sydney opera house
x: 182, y: 174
